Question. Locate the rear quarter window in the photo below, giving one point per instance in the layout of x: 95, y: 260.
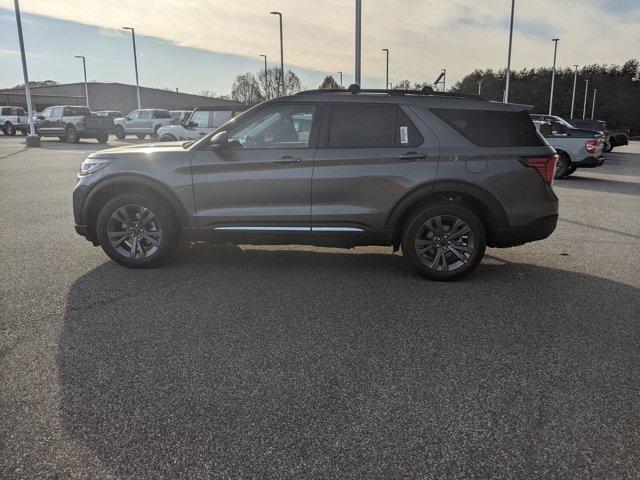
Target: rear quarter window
x: 491, y: 128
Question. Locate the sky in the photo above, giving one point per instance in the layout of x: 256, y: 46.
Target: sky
x: 197, y: 45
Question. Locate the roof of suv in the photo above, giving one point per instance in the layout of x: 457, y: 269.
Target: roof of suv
x: 414, y: 97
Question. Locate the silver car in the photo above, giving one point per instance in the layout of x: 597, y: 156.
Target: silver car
x: 440, y: 176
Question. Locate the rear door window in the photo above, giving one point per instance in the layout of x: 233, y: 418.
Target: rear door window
x: 362, y: 126
x: 491, y: 128
x: 144, y: 115
x: 162, y: 114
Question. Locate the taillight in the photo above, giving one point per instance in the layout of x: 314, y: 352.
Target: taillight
x: 546, y: 166
x: 591, y: 145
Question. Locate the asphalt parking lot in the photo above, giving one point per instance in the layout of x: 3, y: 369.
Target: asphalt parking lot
x: 300, y: 362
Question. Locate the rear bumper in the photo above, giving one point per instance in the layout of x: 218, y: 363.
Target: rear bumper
x: 589, y: 162
x: 536, y: 230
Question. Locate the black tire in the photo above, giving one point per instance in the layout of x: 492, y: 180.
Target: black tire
x: 9, y: 129
x: 24, y: 132
x: 71, y: 135
x: 562, y: 166
x: 103, y: 138
x: 572, y: 169
x: 166, y: 224
x: 141, y: 136
x: 120, y: 135
x: 471, y: 245
x: 167, y: 138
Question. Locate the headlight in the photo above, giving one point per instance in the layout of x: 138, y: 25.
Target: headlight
x: 92, y: 165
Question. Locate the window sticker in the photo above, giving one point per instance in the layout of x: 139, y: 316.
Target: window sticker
x: 404, y: 135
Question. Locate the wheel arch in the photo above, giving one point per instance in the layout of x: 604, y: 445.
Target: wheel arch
x: 476, y: 198
x: 126, y: 184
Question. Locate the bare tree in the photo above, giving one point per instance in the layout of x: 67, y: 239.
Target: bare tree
x: 246, y: 89
x: 272, y: 87
x: 403, y: 85
x: 329, y: 83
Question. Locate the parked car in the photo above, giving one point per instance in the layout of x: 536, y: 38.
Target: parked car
x: 614, y: 139
x: 180, y: 116
x: 71, y: 123
x: 202, y: 121
x: 110, y: 113
x: 14, y: 119
x: 142, y: 123
x: 560, y: 125
x: 441, y: 176
x: 573, y: 152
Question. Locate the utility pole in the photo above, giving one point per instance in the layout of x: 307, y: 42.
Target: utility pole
x: 387, y: 78
x: 135, y: 63
x: 340, y: 73
x: 86, y: 88
x: 506, y: 89
x: 553, y: 73
x: 266, y: 78
x: 479, y: 86
x: 33, y: 140
x: 573, y: 96
x: 358, y: 39
x: 281, y: 55
x: 586, y: 94
x: 593, y: 105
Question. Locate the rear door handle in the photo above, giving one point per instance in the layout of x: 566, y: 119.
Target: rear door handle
x: 412, y: 157
x: 287, y: 160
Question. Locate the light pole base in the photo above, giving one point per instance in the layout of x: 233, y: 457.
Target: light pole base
x: 33, y: 141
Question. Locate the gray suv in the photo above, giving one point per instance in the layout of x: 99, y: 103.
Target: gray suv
x: 441, y: 176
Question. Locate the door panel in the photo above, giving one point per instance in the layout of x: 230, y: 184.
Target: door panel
x: 252, y: 187
x: 358, y: 187
x: 263, y: 178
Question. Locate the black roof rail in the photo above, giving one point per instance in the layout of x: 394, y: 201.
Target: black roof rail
x: 426, y: 90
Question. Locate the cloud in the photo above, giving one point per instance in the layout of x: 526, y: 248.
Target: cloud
x: 110, y: 32
x: 9, y: 52
x: 422, y: 35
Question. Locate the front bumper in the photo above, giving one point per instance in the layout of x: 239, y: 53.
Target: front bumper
x: 537, y: 230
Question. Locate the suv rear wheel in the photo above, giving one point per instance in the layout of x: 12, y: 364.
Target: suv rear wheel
x: 136, y: 231
x: 562, y: 165
x: 445, y: 241
x: 120, y: 132
x: 71, y: 135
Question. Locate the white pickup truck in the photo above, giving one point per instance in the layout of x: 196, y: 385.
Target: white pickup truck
x: 573, y: 151
x: 142, y: 123
x: 14, y: 119
x: 202, y: 121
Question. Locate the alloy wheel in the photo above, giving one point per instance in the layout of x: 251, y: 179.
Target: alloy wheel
x: 134, y: 231
x: 444, y: 243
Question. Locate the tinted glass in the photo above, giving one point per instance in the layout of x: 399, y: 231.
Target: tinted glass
x: 281, y: 126
x: 133, y: 115
x: 362, y: 126
x: 6, y: 111
x: 20, y: 111
x: 490, y: 128
x: 76, y: 111
x: 161, y: 114
x: 407, y: 135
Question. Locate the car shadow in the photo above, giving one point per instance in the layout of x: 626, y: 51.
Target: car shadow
x: 291, y: 363
x: 576, y: 181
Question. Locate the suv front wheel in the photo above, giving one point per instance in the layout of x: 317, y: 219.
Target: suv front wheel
x: 445, y: 241
x: 136, y: 231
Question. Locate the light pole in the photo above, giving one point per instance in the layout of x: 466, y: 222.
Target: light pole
x: 506, y: 88
x: 389, y: 86
x: 444, y: 79
x: 358, y: 38
x: 479, y: 86
x: 573, y: 96
x: 266, y: 78
x: 586, y: 94
x: 33, y: 140
x: 593, y: 105
x: 86, y: 88
x: 386, y: 50
x: 281, y: 53
x: 135, y: 63
x: 553, y: 72
x: 340, y: 73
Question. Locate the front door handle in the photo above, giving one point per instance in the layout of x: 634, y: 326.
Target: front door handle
x: 287, y: 160
x: 412, y: 157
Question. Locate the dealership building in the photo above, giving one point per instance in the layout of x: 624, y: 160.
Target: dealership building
x: 110, y: 96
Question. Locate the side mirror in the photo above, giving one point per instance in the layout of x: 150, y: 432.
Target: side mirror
x: 127, y: 118
x: 219, y: 141
x: 39, y: 117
